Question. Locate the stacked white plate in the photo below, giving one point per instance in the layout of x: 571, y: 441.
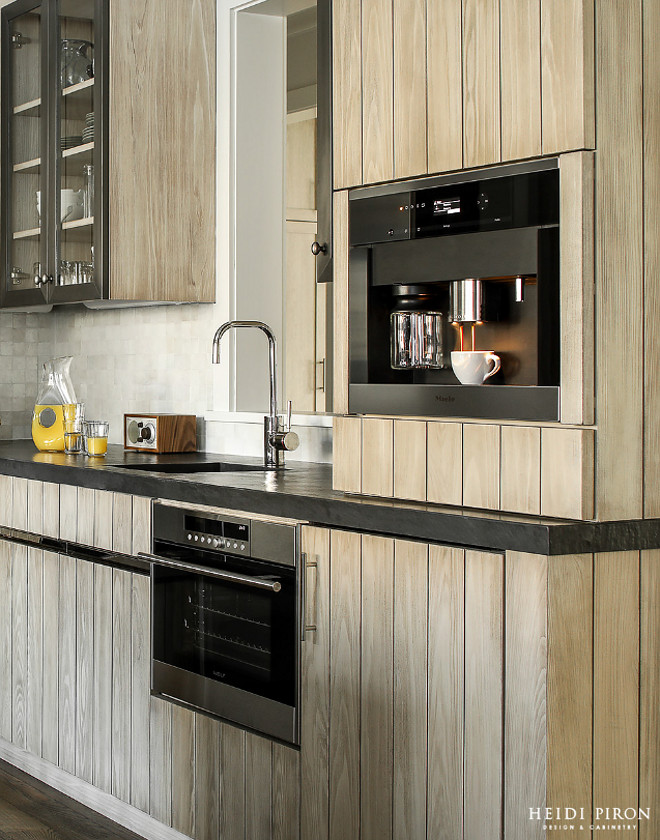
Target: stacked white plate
x: 70, y: 141
x: 88, y: 131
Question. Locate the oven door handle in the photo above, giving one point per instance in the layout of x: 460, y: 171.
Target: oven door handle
x: 231, y: 577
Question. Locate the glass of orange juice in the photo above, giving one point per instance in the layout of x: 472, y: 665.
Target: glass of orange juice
x: 96, y: 437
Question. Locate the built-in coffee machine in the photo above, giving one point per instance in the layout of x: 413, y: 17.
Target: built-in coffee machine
x: 454, y: 295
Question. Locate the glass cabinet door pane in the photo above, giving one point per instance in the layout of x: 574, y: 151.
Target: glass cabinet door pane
x: 26, y: 184
x: 76, y: 135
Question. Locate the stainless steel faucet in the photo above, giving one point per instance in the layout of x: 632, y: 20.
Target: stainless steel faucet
x: 278, y: 437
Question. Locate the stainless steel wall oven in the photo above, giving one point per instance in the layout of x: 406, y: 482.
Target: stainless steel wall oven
x: 226, y: 605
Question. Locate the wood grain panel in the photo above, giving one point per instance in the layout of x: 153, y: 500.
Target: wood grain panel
x: 377, y: 457
x: 345, y: 552
x: 619, y: 251
x: 35, y: 635
x: 340, y: 303
x: 616, y: 679
x: 85, y: 746
x: 19, y: 642
x: 377, y: 688
x: 102, y: 770
x: 300, y: 327
x: 207, y: 770
x: 102, y: 536
x: 183, y: 770
x: 5, y: 639
x: 567, y: 74
x: 520, y: 58
x: 122, y: 523
x: 444, y: 63
x: 481, y: 465
x: 153, y: 256
x: 576, y: 307
x: 446, y: 692
x: 526, y: 656
x: 67, y: 665
x: 651, y: 70
x: 160, y: 757
x: 347, y: 454
x: 410, y: 687
x: 286, y: 793
x: 19, y: 503
x: 410, y: 126
x: 258, y: 781
x: 141, y: 524
x: 85, y: 531
x: 68, y: 512
x: 35, y: 507
x: 50, y: 736
x: 649, y: 717
x: 567, y: 480
x: 5, y: 497
x: 481, y: 82
x: 484, y: 668
x: 315, y: 711
x: 570, y: 681
x: 520, y: 488
x: 377, y: 91
x: 347, y: 93
x: 445, y: 463
x: 232, y: 783
x: 410, y: 459
x: 140, y: 687
x: 51, y: 511
x: 121, y: 683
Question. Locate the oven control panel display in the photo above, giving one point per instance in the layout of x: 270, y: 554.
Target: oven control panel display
x: 218, y: 534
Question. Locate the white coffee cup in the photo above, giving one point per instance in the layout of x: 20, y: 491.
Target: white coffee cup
x: 71, y: 205
x: 473, y: 367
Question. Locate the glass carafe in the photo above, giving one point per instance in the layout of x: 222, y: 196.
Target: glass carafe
x: 55, y: 391
x: 76, y: 61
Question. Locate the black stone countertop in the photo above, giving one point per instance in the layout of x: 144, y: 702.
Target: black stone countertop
x: 304, y: 491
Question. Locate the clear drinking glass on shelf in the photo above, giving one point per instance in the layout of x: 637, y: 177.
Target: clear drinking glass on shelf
x: 96, y: 437
x: 88, y: 196
x: 74, y: 417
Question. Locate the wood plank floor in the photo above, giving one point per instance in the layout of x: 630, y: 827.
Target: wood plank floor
x: 30, y: 810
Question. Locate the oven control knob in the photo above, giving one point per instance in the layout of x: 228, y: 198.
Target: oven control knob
x: 242, y: 546
x: 195, y: 537
x: 216, y: 543
x: 235, y: 545
x: 189, y: 536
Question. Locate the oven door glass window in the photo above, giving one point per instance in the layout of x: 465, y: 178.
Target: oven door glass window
x: 228, y: 632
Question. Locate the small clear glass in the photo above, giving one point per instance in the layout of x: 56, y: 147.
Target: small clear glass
x: 74, y: 417
x: 96, y: 437
x: 88, y: 194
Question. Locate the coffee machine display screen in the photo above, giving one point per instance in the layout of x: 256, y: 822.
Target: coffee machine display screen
x: 446, y: 206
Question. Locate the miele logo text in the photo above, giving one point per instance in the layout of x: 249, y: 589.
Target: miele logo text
x: 444, y: 399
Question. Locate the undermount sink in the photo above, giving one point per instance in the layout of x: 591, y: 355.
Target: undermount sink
x: 182, y: 467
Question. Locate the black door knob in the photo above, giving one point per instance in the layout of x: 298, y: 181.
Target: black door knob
x: 317, y: 249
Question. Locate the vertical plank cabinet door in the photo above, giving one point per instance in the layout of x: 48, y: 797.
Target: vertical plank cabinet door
x: 5, y: 500
x: 19, y: 642
x: 300, y: 305
x: 315, y: 712
x: 410, y: 689
x: 43, y: 509
x: 85, y: 525
x: 445, y: 463
x: 567, y: 75
x: 35, y: 507
x: 5, y: 640
x: 649, y: 730
x: 140, y: 686
x: 347, y: 454
x: 377, y: 688
x: 520, y: 57
x: 567, y: 478
x: 68, y: 513
x: 160, y: 757
x: 232, y: 783
x: 51, y: 658
x: 103, y: 501
x: 377, y: 91
x: 183, y: 770
x: 141, y: 524
x: 258, y: 782
x: 121, y: 684
x: 616, y: 678
x: 409, y: 88
x: 410, y: 459
x: 347, y: 92
x: 340, y: 303
x: 481, y: 82
x: 35, y: 630
x: 377, y: 457
x: 481, y: 465
x: 207, y: 769
x: 67, y: 664
x: 576, y: 306
x: 102, y: 770
x: 345, y: 685
x: 19, y: 503
x: 444, y: 85
x: 446, y: 657
x: 619, y: 251
x: 570, y: 681
x: 484, y: 668
x: 85, y: 669
x: 525, y: 745
x: 520, y: 489
x: 122, y: 523
x: 285, y: 795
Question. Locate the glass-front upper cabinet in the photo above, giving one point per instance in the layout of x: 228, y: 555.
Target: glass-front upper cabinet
x: 53, y: 151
